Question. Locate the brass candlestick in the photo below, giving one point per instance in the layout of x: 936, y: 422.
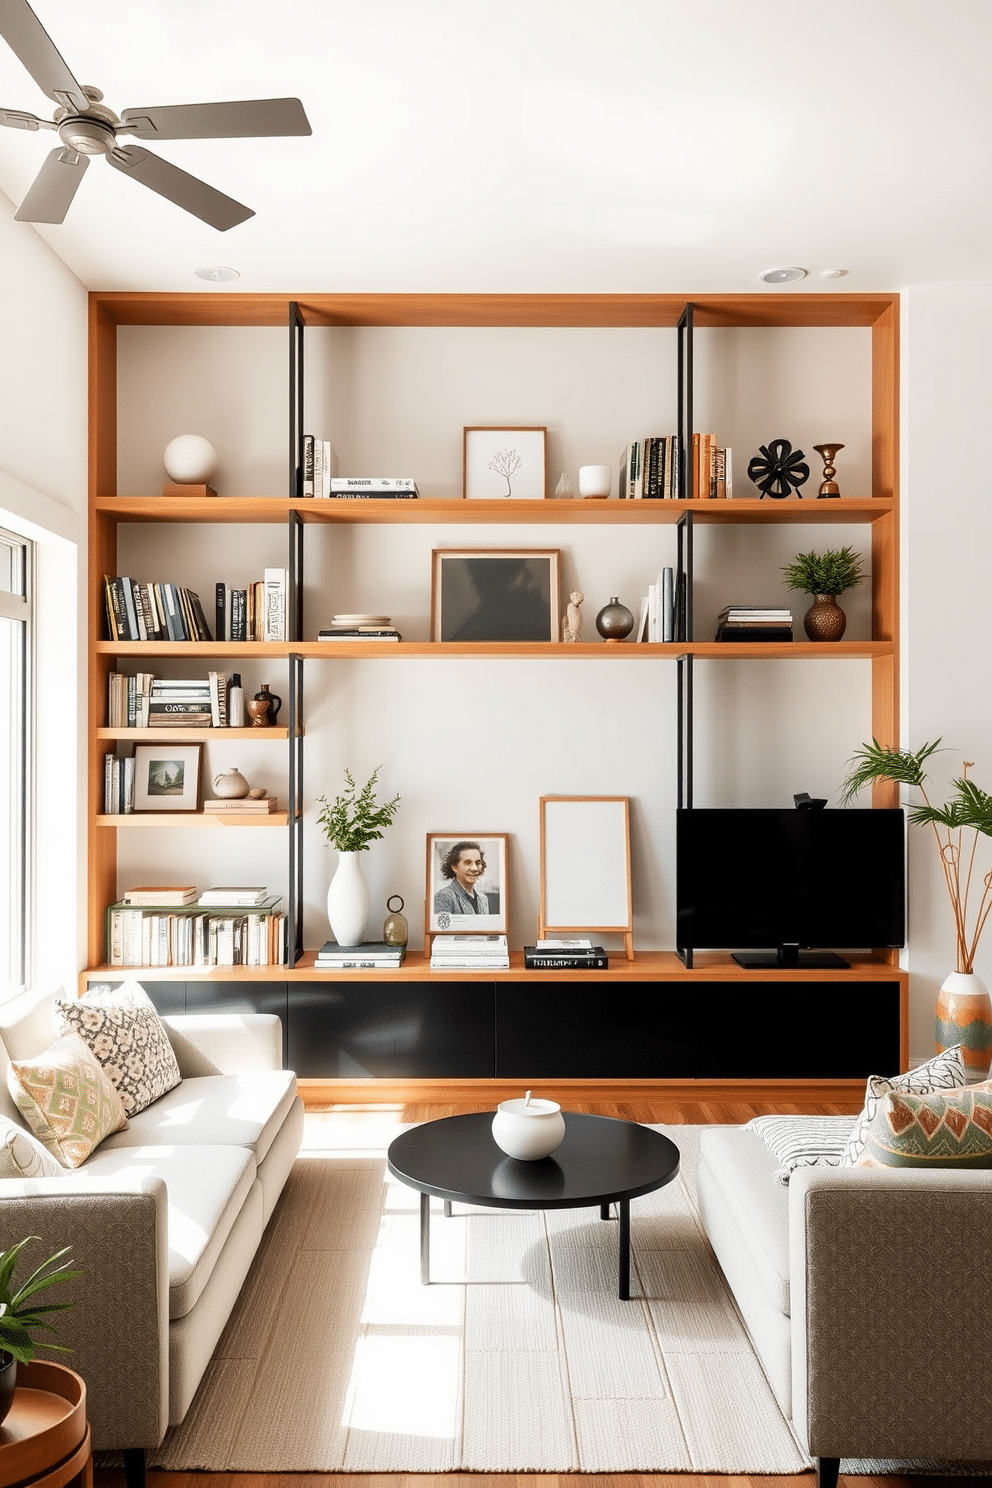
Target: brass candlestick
x: 828, y: 486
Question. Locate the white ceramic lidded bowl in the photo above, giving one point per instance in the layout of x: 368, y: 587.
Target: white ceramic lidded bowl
x: 528, y: 1129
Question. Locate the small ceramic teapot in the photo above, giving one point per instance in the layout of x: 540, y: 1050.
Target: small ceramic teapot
x: 231, y: 785
x: 528, y: 1129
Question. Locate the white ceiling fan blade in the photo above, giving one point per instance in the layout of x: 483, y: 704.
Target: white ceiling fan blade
x: 27, y: 37
x: 21, y: 119
x: 50, y: 194
x: 255, y: 118
x: 188, y: 192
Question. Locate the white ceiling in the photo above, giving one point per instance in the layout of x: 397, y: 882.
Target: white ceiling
x: 529, y: 145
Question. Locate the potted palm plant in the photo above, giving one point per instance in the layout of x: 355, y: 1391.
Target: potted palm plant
x: 964, y: 1009
x: 824, y: 576
x: 352, y: 821
x: 21, y: 1315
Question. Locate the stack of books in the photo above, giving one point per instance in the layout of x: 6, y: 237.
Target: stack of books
x: 318, y: 478
x: 565, y: 955
x: 160, y: 896
x: 144, y: 701
x: 255, y: 613
x: 179, y: 703
x: 236, y: 897
x: 754, y: 623
x: 243, y: 805
x: 360, y: 628
x: 370, y: 953
x: 470, y: 953
x: 373, y: 488
x: 649, y: 469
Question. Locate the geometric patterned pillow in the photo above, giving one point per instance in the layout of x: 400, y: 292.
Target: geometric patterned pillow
x: 803, y: 1141
x: 21, y: 1156
x: 66, y: 1099
x: 948, y: 1130
x: 944, y: 1072
x: 130, y: 1043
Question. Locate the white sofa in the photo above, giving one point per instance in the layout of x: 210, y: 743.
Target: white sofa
x: 164, y: 1219
x: 868, y: 1296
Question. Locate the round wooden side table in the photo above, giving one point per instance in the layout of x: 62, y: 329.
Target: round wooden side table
x: 45, y: 1439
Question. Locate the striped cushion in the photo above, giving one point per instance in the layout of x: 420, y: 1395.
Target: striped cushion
x: 944, y: 1072
x: 803, y: 1141
x: 949, y: 1129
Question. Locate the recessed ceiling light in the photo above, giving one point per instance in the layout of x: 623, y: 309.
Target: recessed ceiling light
x: 782, y: 276
x: 832, y: 273
x: 217, y: 274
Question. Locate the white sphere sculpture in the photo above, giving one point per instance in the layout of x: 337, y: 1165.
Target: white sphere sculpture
x: 189, y: 460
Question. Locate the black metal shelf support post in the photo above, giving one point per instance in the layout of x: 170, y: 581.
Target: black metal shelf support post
x: 685, y: 400
x: 294, y: 909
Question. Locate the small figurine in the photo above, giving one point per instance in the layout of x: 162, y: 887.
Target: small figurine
x: 778, y: 469
x: 564, y: 489
x: 571, y: 625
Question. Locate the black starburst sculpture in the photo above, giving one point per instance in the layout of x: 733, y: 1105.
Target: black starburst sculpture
x: 778, y: 469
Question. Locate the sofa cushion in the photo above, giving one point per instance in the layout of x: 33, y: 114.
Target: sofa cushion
x: 949, y: 1129
x: 23, y: 1156
x: 742, y: 1167
x: 129, y: 1040
x: 207, y: 1188
x: 803, y: 1141
x: 233, y: 1110
x: 66, y: 1099
x: 944, y: 1072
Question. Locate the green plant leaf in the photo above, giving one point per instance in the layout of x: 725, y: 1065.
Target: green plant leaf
x: 352, y: 821
x: 831, y: 572
x: 873, y: 762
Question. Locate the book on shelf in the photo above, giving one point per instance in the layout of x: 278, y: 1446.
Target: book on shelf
x: 649, y: 469
x: 244, y: 806
x: 465, y: 952
x: 276, y: 581
x: 748, y: 633
x: 306, y: 466
x: 378, y: 486
x: 161, y: 936
x: 165, y: 894
x: 118, y: 784
x: 752, y: 613
x: 234, y: 895
x: 370, y: 953
x: 537, y: 958
x: 359, y: 633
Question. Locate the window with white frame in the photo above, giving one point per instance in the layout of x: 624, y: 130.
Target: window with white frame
x: 16, y: 671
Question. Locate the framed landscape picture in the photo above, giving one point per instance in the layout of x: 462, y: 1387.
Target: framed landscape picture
x: 505, y: 462
x: 495, y: 594
x: 466, y: 882
x: 167, y: 777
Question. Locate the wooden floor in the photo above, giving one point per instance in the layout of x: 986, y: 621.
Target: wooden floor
x: 683, y: 1113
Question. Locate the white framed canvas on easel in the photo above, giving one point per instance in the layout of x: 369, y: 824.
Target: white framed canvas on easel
x: 585, y: 867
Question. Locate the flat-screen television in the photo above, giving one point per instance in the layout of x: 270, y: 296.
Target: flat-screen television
x: 769, y: 885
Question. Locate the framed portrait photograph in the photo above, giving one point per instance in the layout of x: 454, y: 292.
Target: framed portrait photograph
x: 167, y: 777
x: 466, y: 882
x: 505, y: 462
x: 495, y: 594
x: 585, y: 866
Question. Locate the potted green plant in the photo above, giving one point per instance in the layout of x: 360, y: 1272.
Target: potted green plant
x: 352, y: 821
x: 824, y: 575
x: 964, y: 1009
x: 21, y: 1315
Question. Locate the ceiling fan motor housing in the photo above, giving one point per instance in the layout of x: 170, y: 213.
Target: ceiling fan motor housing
x: 92, y: 133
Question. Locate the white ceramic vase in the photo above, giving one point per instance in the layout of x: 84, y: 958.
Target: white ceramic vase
x: 348, y: 900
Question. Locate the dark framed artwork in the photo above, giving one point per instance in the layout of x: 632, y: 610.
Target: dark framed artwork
x: 167, y: 777
x: 495, y: 594
x: 466, y: 882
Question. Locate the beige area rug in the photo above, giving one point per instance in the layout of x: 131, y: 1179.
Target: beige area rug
x: 518, y: 1357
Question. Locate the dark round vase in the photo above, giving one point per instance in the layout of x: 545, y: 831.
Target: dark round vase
x: 824, y: 620
x: 8, y: 1382
x: 614, y: 621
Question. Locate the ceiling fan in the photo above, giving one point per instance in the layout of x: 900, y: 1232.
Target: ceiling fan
x: 87, y: 127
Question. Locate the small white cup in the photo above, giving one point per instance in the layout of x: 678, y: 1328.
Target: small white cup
x: 595, y: 480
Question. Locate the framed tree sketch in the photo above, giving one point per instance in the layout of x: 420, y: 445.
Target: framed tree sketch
x: 585, y: 866
x: 505, y: 462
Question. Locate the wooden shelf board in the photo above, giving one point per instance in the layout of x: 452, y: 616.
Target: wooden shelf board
x: 662, y: 966
x: 271, y: 510
x: 191, y: 819
x: 183, y: 735
x: 507, y: 650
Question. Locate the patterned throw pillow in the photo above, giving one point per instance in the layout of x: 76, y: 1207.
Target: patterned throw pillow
x: 21, y: 1156
x: 66, y: 1099
x: 803, y: 1141
x: 952, y: 1129
x: 944, y: 1072
x: 129, y: 1039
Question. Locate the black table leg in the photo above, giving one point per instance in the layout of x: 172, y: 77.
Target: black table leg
x: 604, y: 1211
x: 447, y: 1208
x: 624, y: 1289
x: 425, y: 1239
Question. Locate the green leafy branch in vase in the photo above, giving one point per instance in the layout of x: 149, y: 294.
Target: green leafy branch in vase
x: 20, y: 1315
x: 968, y: 810
x: 351, y: 821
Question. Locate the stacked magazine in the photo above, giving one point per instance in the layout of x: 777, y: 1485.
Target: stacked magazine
x: 469, y: 953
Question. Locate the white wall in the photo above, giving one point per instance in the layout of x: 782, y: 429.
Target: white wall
x: 947, y: 540
x: 43, y: 370
x: 472, y: 745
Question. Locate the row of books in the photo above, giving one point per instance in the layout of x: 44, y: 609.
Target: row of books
x: 565, y: 955
x: 147, y: 701
x: 662, y: 616
x: 370, y: 954
x: 746, y: 623
x: 319, y: 480
x: 138, y: 611
x: 227, y: 896
x: 469, y: 953
x: 147, y: 937
x: 650, y: 470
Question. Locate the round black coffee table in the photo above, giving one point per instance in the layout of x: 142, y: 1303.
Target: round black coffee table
x: 601, y: 1162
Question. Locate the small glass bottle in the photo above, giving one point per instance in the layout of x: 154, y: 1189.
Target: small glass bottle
x: 395, y: 930
x: 236, y: 703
